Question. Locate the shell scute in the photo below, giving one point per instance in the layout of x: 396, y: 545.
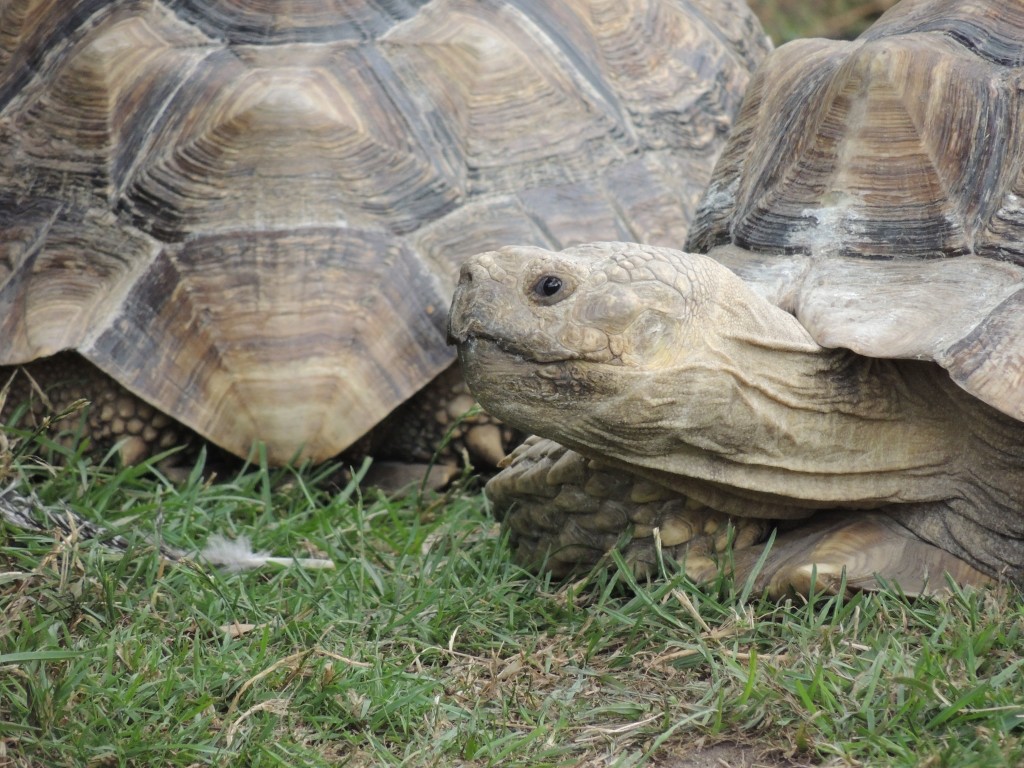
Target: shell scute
x: 885, y: 153
x: 348, y: 308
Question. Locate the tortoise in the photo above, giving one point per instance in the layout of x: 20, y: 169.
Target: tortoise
x: 249, y: 222
x: 837, y: 359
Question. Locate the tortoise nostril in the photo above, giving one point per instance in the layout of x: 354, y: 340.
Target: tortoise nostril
x: 473, y: 271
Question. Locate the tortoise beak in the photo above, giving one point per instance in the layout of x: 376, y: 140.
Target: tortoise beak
x: 467, y: 316
x: 457, y: 325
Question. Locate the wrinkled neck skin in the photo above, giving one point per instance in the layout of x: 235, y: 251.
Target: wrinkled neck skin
x: 754, y: 419
x: 798, y: 432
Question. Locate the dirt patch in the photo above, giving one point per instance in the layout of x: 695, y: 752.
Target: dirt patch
x: 728, y: 755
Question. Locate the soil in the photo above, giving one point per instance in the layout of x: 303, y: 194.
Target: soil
x: 728, y: 755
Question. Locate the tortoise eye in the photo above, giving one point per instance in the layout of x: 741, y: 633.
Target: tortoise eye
x: 547, y: 286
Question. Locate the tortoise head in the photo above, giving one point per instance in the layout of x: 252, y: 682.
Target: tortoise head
x: 591, y: 303
x: 600, y: 329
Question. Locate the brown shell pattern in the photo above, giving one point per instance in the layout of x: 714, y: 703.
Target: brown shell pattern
x: 878, y: 187
x: 251, y: 213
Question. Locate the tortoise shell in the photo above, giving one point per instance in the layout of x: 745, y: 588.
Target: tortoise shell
x: 253, y: 220
x: 875, y: 189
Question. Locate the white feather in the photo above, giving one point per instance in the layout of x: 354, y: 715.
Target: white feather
x: 238, y: 555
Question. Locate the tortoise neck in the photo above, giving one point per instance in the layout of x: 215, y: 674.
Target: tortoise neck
x: 787, y: 426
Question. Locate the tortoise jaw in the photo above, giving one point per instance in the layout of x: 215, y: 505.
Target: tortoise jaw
x: 493, y: 346
x: 519, y: 388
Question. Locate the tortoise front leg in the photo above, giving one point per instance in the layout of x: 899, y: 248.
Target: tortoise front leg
x: 565, y: 513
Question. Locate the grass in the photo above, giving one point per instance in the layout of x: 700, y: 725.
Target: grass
x: 426, y: 646
x: 786, y: 20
